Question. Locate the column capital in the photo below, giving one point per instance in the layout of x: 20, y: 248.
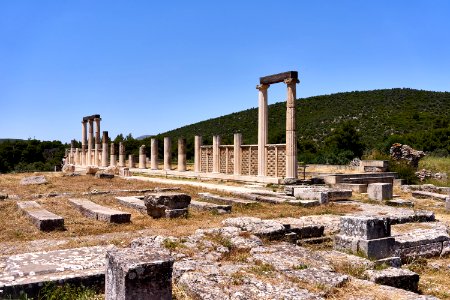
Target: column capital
x: 289, y: 81
x: 262, y: 87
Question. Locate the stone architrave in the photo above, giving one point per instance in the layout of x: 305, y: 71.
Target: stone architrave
x: 167, y: 154
x: 291, y: 136
x: 237, y: 153
x: 216, y: 154
x: 154, y: 154
x: 121, y: 154
x: 97, y: 140
x: 90, y: 142
x: 130, y: 161
x: 197, y: 154
x: 112, y: 158
x: 83, y: 142
x: 105, y: 149
x: 262, y: 128
x: 142, y: 158
x: 182, y: 154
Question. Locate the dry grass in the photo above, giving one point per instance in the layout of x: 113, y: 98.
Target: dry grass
x: 15, y: 228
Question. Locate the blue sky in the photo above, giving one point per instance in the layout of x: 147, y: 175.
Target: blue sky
x: 147, y: 67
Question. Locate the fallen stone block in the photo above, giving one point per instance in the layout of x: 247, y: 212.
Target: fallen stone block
x: 40, y: 217
x: 33, y: 180
x: 133, y: 202
x: 226, y: 200
x: 138, y: 273
x: 365, y: 227
x: 261, y: 228
x: 372, y: 249
x: 447, y: 204
x: 395, y: 277
x: 354, y: 187
x: 304, y: 203
x: 324, y: 195
x: 380, y: 191
x: 395, y: 262
x: 169, y: 205
x: 424, y: 194
x: 101, y: 175
x: 91, y: 170
x: 221, y: 209
x: 400, y: 203
x: 301, y: 228
x: 98, y: 212
x: 68, y: 168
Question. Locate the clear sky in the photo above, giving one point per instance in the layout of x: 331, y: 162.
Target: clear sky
x: 150, y: 66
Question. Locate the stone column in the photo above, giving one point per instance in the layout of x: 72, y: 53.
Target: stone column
x: 121, y: 155
x: 197, y: 153
x: 90, y: 142
x: 291, y: 137
x: 83, y: 142
x: 154, y: 154
x: 237, y: 153
x: 130, y: 161
x: 97, y: 141
x: 182, y: 154
x: 112, y: 158
x: 216, y: 154
x: 262, y: 128
x: 77, y: 156
x: 105, y: 149
x: 167, y: 154
x: 142, y: 158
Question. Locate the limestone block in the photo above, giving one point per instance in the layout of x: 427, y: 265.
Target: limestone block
x: 445, y: 248
x: 424, y: 250
x: 400, y: 202
x: 380, y: 191
x: 102, y: 175
x: 176, y: 213
x: 125, y: 172
x: 220, y: 209
x: 138, y: 273
x: 377, y: 248
x: 91, y: 170
x: 447, y: 204
x: 68, y: 168
x: 33, y: 180
x: 157, y: 204
x: 40, y: 217
x: 399, y: 278
x: 261, y: 228
x: 365, y: 227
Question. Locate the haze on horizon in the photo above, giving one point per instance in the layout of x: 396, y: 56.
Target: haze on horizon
x: 149, y: 67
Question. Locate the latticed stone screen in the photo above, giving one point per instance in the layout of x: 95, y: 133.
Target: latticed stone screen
x: 250, y: 160
x: 206, y: 155
x: 276, y: 160
x: 226, y: 159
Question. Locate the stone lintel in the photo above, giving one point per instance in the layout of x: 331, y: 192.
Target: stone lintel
x: 278, y: 77
x: 96, y: 116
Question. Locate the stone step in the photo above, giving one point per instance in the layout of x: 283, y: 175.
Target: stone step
x: 28, y: 272
x: 40, y: 217
x: 424, y: 194
x: 200, y: 205
x: 133, y: 202
x: 226, y: 200
x: 98, y: 212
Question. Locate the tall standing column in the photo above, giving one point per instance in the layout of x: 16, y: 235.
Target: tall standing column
x: 291, y: 137
x: 197, y: 153
x: 216, y: 154
x: 105, y: 149
x: 121, y: 155
x: 112, y: 156
x: 83, y: 142
x: 237, y: 154
x: 167, y: 154
x: 142, y: 158
x: 262, y: 128
x: 131, y: 161
x: 90, y: 142
x: 154, y: 154
x: 97, y: 140
x: 77, y: 156
x: 182, y: 154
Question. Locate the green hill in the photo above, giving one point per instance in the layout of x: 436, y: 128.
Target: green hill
x: 377, y: 115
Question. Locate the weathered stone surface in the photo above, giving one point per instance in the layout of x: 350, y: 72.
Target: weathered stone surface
x: 393, y: 261
x: 399, y: 278
x: 3, y: 196
x: 133, y: 202
x: 40, y: 217
x: 261, y: 228
x: 380, y: 191
x: 304, y: 203
x: 138, y: 273
x: 91, y: 170
x: 424, y: 194
x: 447, y: 204
x: 406, y: 153
x: 354, y: 187
x: 426, y: 187
x: 98, y: 212
x: 114, y: 170
x: 400, y: 202
x: 324, y: 195
x: 170, y: 205
x: 445, y: 249
x: 220, y: 209
x: 33, y: 180
x: 102, y: 175
x: 124, y: 172
x: 226, y: 200
x: 365, y: 227
x: 68, y: 168
x: 302, y: 228
x: 373, y: 249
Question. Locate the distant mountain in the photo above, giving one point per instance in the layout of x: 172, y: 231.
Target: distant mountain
x: 144, y: 136
x: 11, y: 140
x: 377, y: 115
